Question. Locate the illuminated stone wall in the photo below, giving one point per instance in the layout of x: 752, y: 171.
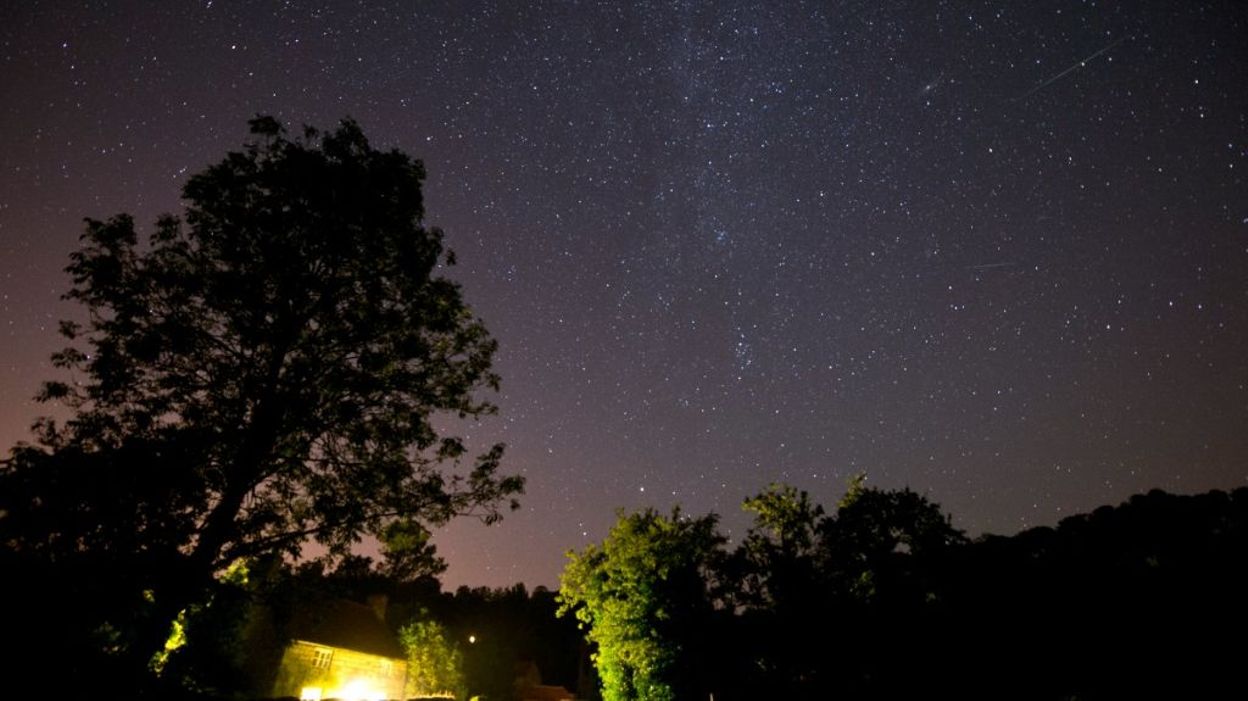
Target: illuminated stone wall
x: 347, y: 674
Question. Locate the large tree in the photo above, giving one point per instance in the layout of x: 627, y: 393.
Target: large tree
x: 775, y: 561
x: 265, y: 370
x: 782, y: 600
x: 435, y: 664
x: 879, y: 540
x: 643, y: 596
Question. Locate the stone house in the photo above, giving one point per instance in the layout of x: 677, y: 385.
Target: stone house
x: 342, y: 650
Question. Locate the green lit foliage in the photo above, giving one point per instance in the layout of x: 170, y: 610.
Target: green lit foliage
x: 434, y: 663
x: 205, y: 651
x: 265, y: 370
x: 672, y: 615
x: 643, y: 597
x: 235, y: 576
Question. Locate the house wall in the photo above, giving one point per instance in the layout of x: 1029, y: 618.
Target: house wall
x: 348, y: 671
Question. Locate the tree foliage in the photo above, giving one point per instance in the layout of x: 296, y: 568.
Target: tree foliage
x: 775, y: 559
x: 643, y: 597
x: 877, y: 535
x: 434, y: 662
x: 264, y: 371
x: 661, y: 597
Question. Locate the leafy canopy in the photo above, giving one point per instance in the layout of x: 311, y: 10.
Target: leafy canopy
x: 434, y: 662
x: 673, y: 614
x: 266, y: 369
x: 775, y: 562
x: 640, y: 594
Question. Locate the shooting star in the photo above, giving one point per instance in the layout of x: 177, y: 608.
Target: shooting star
x: 979, y: 267
x: 1070, y: 70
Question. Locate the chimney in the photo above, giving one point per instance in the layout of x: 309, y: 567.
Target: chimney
x: 378, y: 602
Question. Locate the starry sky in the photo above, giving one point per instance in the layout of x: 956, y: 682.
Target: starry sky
x: 995, y: 251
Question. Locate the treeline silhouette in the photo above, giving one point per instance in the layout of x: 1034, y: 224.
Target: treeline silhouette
x: 880, y: 598
x: 883, y: 599
x: 1144, y: 600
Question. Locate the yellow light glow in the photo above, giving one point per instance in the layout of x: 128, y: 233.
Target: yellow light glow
x: 358, y: 690
x: 310, y: 693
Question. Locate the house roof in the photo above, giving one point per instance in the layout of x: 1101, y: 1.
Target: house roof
x: 346, y: 624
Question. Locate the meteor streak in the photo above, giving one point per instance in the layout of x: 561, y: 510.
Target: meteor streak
x: 1068, y: 71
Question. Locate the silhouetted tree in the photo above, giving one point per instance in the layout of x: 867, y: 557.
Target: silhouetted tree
x: 262, y: 372
x: 1124, y: 602
x: 877, y: 536
x: 779, y: 549
x: 407, y: 553
x: 774, y: 579
x: 821, y: 597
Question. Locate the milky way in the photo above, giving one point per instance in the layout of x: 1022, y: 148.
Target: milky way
x: 997, y: 252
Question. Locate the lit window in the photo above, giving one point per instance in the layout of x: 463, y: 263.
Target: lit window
x: 322, y: 657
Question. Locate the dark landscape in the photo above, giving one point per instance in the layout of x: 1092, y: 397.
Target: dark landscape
x: 645, y: 351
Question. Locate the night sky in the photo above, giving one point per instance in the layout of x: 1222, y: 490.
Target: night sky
x: 997, y: 252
